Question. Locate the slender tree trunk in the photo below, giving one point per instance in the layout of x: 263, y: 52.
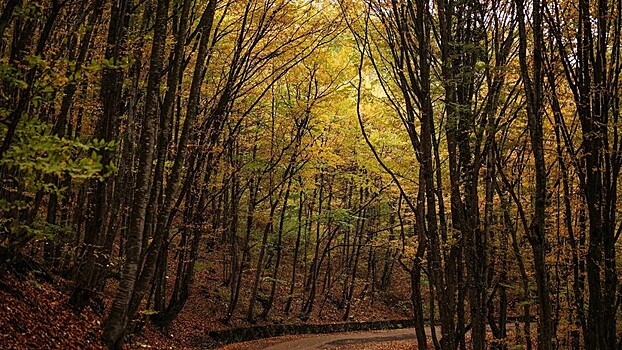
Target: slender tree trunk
x: 533, y: 83
x: 292, y: 284
x: 279, y: 249
x: 174, y: 180
x: 116, y: 323
x: 89, y: 271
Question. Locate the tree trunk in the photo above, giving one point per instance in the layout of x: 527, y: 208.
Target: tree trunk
x: 116, y: 323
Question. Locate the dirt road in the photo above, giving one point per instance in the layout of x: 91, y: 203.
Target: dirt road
x: 364, y: 340
x: 357, y: 339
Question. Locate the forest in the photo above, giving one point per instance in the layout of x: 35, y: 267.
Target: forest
x: 173, y: 167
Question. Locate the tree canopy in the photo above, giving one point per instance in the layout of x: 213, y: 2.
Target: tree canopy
x: 315, y: 155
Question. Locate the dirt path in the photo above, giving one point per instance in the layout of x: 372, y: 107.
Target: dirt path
x: 380, y: 340
x: 354, y: 339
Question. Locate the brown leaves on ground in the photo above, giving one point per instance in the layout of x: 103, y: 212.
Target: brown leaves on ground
x: 36, y: 315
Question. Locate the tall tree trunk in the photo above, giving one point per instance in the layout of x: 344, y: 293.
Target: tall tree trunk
x: 90, y: 267
x: 292, y: 283
x: 174, y: 180
x: 533, y: 83
x: 116, y: 323
x: 279, y: 250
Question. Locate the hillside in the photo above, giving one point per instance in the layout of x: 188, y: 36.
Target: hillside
x: 35, y: 313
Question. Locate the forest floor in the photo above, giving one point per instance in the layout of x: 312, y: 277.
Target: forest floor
x: 35, y: 314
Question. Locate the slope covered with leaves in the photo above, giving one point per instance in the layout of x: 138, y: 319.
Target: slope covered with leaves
x: 35, y: 314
